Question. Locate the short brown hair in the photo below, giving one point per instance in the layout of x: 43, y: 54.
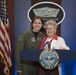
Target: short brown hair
x: 37, y: 17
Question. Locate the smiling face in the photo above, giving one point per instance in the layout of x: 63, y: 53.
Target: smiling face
x: 50, y: 30
x: 37, y: 24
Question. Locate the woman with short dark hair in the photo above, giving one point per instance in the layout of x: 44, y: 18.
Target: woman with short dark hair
x: 29, y: 40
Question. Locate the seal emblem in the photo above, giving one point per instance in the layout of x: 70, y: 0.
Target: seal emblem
x: 49, y: 59
x: 47, y: 10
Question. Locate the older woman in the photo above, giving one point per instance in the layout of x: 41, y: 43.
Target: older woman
x: 55, y: 41
x: 51, y: 37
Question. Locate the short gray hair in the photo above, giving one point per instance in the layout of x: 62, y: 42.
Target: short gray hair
x: 51, y: 22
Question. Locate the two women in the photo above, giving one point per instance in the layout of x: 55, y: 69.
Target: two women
x: 32, y: 40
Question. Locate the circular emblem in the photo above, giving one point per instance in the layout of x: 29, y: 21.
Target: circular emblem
x: 47, y: 10
x: 49, y: 59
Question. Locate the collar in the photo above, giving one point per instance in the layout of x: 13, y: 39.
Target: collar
x: 55, y: 37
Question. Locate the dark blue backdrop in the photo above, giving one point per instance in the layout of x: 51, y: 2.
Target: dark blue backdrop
x: 68, y: 28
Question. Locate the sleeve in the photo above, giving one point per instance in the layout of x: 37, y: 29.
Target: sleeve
x: 19, y: 46
x: 42, y: 43
x: 63, y: 44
